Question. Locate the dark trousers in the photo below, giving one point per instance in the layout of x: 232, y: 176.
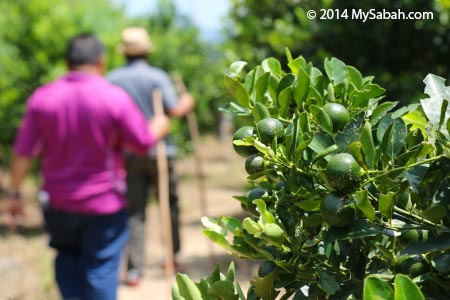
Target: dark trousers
x: 142, y: 177
x: 89, y: 249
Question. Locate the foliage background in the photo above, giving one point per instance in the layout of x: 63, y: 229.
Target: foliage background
x: 399, y: 53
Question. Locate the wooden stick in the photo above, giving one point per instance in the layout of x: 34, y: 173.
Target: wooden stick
x: 163, y: 192
x: 198, y: 161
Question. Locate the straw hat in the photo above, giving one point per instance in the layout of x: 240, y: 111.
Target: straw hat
x: 135, y: 41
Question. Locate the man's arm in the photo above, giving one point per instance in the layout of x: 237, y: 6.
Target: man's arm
x: 185, y: 105
x: 19, y: 169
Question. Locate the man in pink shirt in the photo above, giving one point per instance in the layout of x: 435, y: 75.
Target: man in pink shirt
x: 80, y: 126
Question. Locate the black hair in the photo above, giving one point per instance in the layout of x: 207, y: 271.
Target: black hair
x: 84, y: 49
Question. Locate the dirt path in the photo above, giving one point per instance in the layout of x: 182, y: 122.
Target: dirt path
x: 224, y: 177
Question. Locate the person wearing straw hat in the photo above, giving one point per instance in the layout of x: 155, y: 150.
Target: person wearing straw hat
x: 139, y: 79
x: 80, y: 125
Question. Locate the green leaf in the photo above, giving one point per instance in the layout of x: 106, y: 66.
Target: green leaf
x: 237, y: 90
x: 215, y: 275
x: 364, y: 205
x: 381, y: 111
x: 301, y: 87
x: 383, y: 127
x: 355, y: 76
x: 316, y: 79
x: 386, y: 204
x: 288, y: 54
x: 264, y: 288
x: 321, y: 141
x: 435, y: 213
x: 324, y: 153
x: 234, y: 109
x: 437, y: 91
x: 188, y: 290
x: 203, y: 287
x: 350, y: 133
x: 266, y: 216
x: 442, y: 263
x: 233, y: 225
x: 377, y: 289
x: 236, y: 69
x: 395, y: 138
x: 176, y: 293
x: 322, y: 118
x: 313, y: 94
x: 368, y: 145
x: 272, y: 65
x: 448, y: 126
x: 261, y: 86
x: 251, y: 226
x: 284, y: 91
x: 327, y: 283
x: 285, y: 82
x: 296, y: 64
x: 355, y: 149
x: 417, y: 119
x: 415, y: 176
x: 222, y: 290
x: 336, y: 70
x: 361, y: 98
x: 309, y: 204
x: 406, y: 289
x: 435, y: 243
x: 231, y: 272
x: 357, y: 229
x: 260, y: 112
x: 284, y: 98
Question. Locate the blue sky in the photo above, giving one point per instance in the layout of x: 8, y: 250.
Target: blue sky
x: 206, y: 14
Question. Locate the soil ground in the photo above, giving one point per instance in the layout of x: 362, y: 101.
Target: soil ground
x: 223, y: 177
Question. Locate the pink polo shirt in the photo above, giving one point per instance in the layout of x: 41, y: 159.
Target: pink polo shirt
x: 80, y: 125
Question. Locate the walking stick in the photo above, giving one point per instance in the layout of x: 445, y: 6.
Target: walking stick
x: 163, y: 191
x: 200, y: 174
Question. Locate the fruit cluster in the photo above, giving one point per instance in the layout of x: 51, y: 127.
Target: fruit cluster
x: 343, y: 185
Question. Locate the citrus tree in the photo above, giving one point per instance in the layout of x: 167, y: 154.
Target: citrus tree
x: 350, y: 194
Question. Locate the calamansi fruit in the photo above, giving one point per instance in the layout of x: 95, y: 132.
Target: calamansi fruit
x: 412, y: 265
x: 270, y: 128
x: 415, y: 235
x: 241, y: 134
x: 336, y: 210
x: 254, y: 164
x: 266, y: 268
x: 343, y: 172
x: 256, y: 193
x: 339, y: 115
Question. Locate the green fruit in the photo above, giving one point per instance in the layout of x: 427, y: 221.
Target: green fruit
x: 255, y: 193
x: 336, y: 210
x: 241, y: 134
x: 415, y: 235
x: 343, y: 172
x: 339, y: 115
x: 254, y: 164
x: 412, y: 265
x: 266, y: 268
x: 269, y: 129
